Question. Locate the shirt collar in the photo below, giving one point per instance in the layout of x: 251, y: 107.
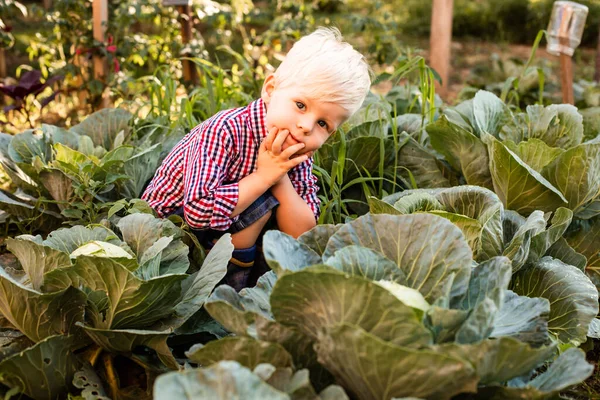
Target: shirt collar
x: 258, y: 123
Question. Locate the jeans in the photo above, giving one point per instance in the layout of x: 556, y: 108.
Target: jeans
x: 241, y: 264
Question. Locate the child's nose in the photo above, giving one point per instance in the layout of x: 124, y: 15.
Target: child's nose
x: 305, y: 125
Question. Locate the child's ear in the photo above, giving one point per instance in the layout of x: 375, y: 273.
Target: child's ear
x: 267, y: 88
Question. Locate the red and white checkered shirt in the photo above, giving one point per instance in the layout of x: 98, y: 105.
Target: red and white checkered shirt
x: 201, y: 173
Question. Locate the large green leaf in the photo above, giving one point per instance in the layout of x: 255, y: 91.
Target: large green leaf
x: 591, y: 122
x: 519, y: 186
x: 499, y: 360
x: 60, y: 187
x: 558, y: 125
x: 284, y: 253
x: 104, y: 126
x: 464, y: 151
x: 427, y: 248
x: 223, y: 381
x: 140, y: 168
x: 518, y: 234
x: 124, y: 341
x: 570, y: 368
x: 198, y: 286
x: 523, y: 318
x: 36, y: 259
x: 576, y: 173
x: 39, y: 315
x: 44, y: 371
x: 317, y: 237
x: 360, y: 261
x: 68, y: 240
x: 423, y: 166
x: 584, y: 239
x: 27, y: 145
x: 534, y: 153
x: 490, y: 114
x: 247, y: 351
x: 124, y: 301
x: 156, y: 245
x: 371, y: 368
x: 573, y: 297
x: 317, y: 299
x: 565, y: 253
x: 541, y: 242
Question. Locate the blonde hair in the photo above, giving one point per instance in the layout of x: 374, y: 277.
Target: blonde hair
x: 327, y: 69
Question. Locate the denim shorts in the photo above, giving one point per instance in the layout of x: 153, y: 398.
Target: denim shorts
x: 255, y: 211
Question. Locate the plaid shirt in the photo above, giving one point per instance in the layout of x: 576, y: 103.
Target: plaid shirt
x: 201, y: 173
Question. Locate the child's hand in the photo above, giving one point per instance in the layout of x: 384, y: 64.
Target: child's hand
x: 288, y: 141
x: 273, y: 164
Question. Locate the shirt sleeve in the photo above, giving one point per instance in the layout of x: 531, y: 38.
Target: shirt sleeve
x: 195, y: 177
x: 305, y: 183
x: 207, y: 200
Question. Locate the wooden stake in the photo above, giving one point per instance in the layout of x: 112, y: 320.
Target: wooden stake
x: 3, y: 72
x: 566, y: 77
x: 100, y: 14
x: 47, y: 4
x: 185, y: 18
x: 597, y: 73
x: 440, y: 41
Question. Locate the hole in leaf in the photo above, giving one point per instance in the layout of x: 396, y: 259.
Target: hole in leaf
x: 95, y: 393
x: 47, y: 361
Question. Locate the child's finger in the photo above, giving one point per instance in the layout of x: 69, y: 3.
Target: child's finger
x: 268, y: 140
x: 278, y: 142
x: 290, y: 151
x: 294, y: 162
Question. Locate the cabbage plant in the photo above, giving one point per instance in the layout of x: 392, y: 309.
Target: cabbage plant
x: 74, y: 175
x: 90, y: 293
x: 385, y: 306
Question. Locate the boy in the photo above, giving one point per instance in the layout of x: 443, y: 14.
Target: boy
x: 235, y: 170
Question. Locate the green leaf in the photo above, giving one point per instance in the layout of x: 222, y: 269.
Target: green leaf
x: 156, y: 243
x: 104, y: 126
x: 573, y: 297
x: 499, y: 360
x: 464, y: 151
x: 591, y: 122
x: 140, y: 168
x: 317, y: 299
x: 284, y: 253
x: 518, y: 234
x: 247, y: 351
x: 59, y: 186
x: 565, y: 253
x: 584, y: 239
x: 223, y: 381
x: 427, y: 248
x: 518, y: 186
x: 68, y: 240
x: 424, y: 167
x: 359, y: 261
x: 317, y: 237
x: 576, y: 173
x: 44, y: 371
x: 523, y: 318
x: 27, y: 145
x: 570, y: 368
x: 125, y: 301
x: 377, y: 206
x: 39, y: 315
x: 36, y: 259
x: 490, y: 114
x: 558, y: 125
x: 370, y: 368
x: 418, y: 201
x: 541, y: 242
x: 124, y: 341
x: 534, y: 153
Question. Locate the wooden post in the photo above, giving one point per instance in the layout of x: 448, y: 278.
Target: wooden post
x: 185, y: 18
x: 100, y: 15
x: 566, y: 63
x: 2, y: 64
x: 440, y: 41
x: 597, y: 73
x: 47, y: 4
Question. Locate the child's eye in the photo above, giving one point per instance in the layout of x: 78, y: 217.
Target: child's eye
x: 300, y: 105
x: 322, y: 124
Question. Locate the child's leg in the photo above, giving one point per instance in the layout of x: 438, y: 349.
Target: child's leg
x: 247, y: 237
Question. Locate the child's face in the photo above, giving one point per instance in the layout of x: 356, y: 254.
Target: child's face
x: 308, y: 121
